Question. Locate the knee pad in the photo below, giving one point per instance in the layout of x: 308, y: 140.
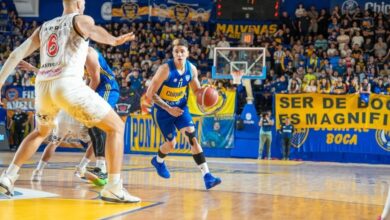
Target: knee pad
x: 191, y: 136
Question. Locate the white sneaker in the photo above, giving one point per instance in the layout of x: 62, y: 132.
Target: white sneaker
x: 80, y: 172
x: 116, y: 193
x: 7, y: 184
x: 37, y: 176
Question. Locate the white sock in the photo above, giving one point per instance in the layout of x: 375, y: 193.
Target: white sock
x: 102, y: 165
x: 84, y: 162
x: 204, y: 168
x: 41, y: 165
x: 113, y: 179
x: 159, y: 159
x: 12, y: 170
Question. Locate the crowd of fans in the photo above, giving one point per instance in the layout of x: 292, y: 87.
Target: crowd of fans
x: 313, y: 51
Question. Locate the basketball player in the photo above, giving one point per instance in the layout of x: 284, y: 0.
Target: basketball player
x: 169, y: 92
x: 63, y: 44
x: 103, y: 81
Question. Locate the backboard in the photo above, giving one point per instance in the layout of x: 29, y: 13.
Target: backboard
x: 234, y: 61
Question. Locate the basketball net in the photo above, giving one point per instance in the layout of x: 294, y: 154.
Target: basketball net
x: 237, y: 75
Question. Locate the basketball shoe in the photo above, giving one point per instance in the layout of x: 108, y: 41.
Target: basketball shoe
x: 7, y: 184
x: 210, y: 181
x: 116, y: 193
x: 36, y: 175
x: 161, y: 168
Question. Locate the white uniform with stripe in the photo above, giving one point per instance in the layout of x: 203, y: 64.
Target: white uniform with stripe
x: 59, y: 83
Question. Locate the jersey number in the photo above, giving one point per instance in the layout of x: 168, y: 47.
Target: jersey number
x: 52, y: 46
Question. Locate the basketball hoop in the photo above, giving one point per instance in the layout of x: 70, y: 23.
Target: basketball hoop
x: 237, y: 75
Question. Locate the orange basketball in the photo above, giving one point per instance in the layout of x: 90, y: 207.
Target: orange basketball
x: 207, y: 97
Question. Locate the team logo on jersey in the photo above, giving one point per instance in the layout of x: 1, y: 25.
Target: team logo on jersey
x: 187, y: 78
x: 130, y: 11
x: 52, y: 45
x: 299, y: 137
x: 181, y: 12
x: 383, y: 139
x: 175, y: 80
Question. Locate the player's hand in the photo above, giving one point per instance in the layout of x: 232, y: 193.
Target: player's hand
x: 23, y: 65
x: 124, y: 38
x: 175, y: 111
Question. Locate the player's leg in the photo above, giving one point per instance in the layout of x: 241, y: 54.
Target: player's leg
x: 165, y: 123
x: 81, y: 102
x: 46, y: 111
x: 47, y: 154
x: 98, y: 138
x: 27, y: 148
x: 186, y: 126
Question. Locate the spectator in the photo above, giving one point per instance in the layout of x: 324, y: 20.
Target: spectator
x: 266, y: 123
x: 339, y: 87
x: 286, y: 131
x: 311, y: 87
x: 324, y: 86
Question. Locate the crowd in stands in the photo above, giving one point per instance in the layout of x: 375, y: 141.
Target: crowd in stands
x: 313, y: 51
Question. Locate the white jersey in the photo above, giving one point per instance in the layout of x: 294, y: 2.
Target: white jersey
x: 63, y: 51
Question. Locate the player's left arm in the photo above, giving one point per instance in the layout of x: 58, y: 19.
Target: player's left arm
x: 194, y: 84
x: 93, y: 68
x: 25, y: 49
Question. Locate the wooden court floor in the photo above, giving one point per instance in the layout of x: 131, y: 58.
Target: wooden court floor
x: 250, y: 189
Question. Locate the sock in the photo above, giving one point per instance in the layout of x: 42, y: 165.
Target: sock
x: 102, y: 165
x: 113, y: 179
x: 41, y: 165
x: 204, y: 168
x: 160, y: 156
x: 12, y: 170
x: 200, y: 160
x: 84, y: 162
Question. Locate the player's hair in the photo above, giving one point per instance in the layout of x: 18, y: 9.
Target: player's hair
x: 180, y: 42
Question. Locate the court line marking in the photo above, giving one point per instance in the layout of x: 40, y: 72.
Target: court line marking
x: 132, y: 211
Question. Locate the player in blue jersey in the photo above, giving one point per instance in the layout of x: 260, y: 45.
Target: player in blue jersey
x: 102, y: 80
x: 169, y: 92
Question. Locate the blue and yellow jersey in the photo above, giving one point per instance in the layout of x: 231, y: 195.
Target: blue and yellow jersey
x: 174, y: 90
x: 107, y: 77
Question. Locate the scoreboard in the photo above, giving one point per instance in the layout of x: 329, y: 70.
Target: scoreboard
x: 253, y: 10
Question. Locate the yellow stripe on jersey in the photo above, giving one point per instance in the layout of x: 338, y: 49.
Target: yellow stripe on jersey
x: 172, y: 94
x: 107, y: 92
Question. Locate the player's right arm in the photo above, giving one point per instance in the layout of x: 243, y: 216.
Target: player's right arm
x: 93, y: 68
x: 25, y: 49
x: 161, y: 75
x: 85, y: 25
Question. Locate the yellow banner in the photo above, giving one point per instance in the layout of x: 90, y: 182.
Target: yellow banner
x: 333, y: 111
x: 228, y: 108
x: 145, y: 136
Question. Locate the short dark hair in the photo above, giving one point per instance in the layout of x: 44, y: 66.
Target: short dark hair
x: 180, y: 42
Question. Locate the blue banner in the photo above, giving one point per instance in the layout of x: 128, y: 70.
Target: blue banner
x: 217, y: 132
x: 19, y: 97
x: 342, y: 141
x: 352, y: 5
x: 100, y: 10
